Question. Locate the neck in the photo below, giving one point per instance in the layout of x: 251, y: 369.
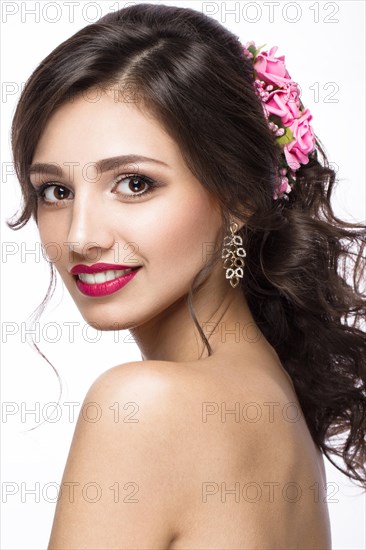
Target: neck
x: 223, y: 315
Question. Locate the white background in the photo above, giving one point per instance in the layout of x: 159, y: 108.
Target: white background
x: 324, y: 45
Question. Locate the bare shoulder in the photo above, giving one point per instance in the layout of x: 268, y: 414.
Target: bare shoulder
x: 156, y: 375
x: 180, y: 433
x: 122, y: 463
x: 226, y: 435
x: 201, y: 413
x: 160, y: 390
x: 166, y: 389
x: 236, y: 416
x: 217, y: 404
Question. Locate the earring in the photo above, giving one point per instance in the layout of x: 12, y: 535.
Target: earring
x: 233, y: 254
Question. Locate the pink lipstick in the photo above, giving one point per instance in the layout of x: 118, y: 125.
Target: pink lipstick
x: 102, y: 279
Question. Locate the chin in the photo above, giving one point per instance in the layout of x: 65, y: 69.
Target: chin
x: 110, y: 324
x: 104, y: 313
x: 107, y: 317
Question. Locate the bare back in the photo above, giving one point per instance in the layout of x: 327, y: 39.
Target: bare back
x: 257, y: 479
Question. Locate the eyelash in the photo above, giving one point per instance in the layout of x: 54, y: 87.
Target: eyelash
x: 152, y: 184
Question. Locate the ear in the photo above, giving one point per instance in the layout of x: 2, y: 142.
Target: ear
x: 238, y: 221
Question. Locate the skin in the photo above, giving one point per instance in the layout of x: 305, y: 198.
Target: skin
x: 166, y: 232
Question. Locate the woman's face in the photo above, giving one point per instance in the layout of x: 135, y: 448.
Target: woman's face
x: 99, y: 213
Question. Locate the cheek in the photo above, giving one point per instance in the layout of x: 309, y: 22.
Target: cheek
x: 52, y: 237
x: 175, y: 238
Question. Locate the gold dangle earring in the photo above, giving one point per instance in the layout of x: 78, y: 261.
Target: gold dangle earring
x: 233, y: 254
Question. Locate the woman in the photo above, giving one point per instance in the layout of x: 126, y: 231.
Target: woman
x: 232, y: 291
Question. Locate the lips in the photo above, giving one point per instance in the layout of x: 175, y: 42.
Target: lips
x: 97, y: 268
x: 110, y: 280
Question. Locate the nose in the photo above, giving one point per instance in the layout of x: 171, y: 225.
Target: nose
x: 90, y: 231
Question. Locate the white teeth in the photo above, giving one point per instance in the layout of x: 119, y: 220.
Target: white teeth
x: 102, y: 276
x: 99, y: 277
x: 109, y: 275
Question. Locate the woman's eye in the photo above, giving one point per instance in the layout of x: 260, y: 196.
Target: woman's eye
x: 134, y: 185
x: 56, y: 192
x: 52, y: 194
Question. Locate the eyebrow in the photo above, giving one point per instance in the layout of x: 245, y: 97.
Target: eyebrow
x: 102, y: 166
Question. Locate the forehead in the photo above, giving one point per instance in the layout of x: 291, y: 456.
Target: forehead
x: 96, y: 125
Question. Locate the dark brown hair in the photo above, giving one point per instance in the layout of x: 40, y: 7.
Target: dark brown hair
x: 303, y: 265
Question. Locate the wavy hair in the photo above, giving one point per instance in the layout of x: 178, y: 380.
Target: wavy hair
x: 304, y: 265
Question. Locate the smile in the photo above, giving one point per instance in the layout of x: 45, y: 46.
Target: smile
x: 104, y: 283
x: 103, y: 276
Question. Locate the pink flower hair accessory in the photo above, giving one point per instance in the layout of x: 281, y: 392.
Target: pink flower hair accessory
x: 285, y: 113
